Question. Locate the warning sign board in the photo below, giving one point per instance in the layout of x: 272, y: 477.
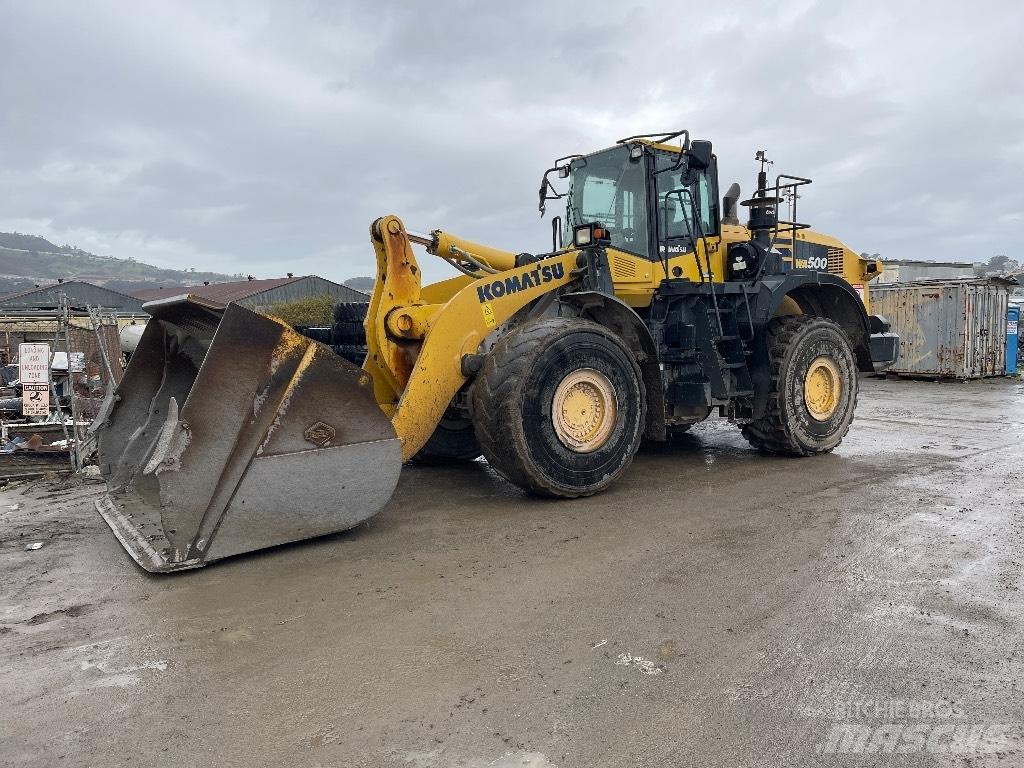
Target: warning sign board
x: 34, y: 364
x: 35, y: 400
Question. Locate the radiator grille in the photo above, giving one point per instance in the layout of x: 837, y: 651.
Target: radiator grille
x: 835, y: 261
x: 623, y: 269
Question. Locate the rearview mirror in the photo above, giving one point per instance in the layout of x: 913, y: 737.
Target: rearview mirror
x: 700, y: 155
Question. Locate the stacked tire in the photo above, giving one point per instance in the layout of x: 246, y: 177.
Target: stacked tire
x: 323, y: 334
x: 348, y: 337
x: 453, y: 441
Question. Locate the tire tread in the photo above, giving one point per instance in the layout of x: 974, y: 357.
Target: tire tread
x: 771, y: 433
x: 496, y: 394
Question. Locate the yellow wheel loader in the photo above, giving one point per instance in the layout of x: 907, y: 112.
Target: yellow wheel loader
x: 231, y: 431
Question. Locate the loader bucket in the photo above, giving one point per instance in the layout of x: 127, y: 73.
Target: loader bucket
x: 230, y: 432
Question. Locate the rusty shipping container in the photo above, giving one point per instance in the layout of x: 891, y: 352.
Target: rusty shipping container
x: 954, y: 328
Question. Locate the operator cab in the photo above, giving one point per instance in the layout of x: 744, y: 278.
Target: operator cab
x: 614, y: 188
x: 658, y: 201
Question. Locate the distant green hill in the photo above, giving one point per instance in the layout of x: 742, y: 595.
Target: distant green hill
x: 364, y: 284
x: 28, y: 260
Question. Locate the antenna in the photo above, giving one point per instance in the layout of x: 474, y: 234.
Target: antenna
x: 761, y: 156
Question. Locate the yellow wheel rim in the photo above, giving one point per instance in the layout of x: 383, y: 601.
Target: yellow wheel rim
x: 823, y: 388
x: 583, y: 410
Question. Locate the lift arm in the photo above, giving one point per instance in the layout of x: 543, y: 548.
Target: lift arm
x: 418, y: 353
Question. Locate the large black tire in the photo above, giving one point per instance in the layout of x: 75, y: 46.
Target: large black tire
x: 349, y: 332
x: 453, y: 442
x: 348, y: 323
x: 789, y: 425
x: 513, y: 403
x: 354, y: 353
x: 350, y: 311
x: 317, y: 333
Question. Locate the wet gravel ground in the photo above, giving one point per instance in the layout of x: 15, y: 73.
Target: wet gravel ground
x: 717, y: 607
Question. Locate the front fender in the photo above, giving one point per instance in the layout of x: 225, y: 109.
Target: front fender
x: 824, y: 295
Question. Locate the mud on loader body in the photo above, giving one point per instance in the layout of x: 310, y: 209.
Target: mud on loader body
x: 232, y: 432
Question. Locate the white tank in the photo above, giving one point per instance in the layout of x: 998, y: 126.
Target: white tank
x: 130, y: 336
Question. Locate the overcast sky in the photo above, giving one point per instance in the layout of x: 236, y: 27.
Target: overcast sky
x: 265, y: 137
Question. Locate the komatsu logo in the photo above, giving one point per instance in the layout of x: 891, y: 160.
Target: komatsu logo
x: 516, y: 283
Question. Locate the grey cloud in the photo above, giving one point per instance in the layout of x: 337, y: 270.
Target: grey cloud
x: 265, y: 137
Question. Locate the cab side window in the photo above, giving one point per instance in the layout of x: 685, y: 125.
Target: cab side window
x: 676, y: 205
x: 707, y: 224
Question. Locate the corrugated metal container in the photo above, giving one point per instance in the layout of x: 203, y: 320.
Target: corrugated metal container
x: 953, y: 328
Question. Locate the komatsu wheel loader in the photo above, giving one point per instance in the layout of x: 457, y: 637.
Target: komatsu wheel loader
x: 231, y: 431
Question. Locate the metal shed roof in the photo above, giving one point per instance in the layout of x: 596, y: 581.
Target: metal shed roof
x: 247, y: 291
x: 220, y: 292
x: 78, y: 292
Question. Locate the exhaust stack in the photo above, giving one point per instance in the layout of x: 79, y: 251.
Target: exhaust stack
x: 730, y: 201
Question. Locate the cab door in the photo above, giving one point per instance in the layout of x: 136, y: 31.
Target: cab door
x: 683, y: 212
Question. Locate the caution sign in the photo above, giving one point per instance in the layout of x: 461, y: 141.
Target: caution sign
x: 34, y: 364
x: 489, y: 320
x: 35, y: 400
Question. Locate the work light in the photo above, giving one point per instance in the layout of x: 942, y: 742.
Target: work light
x: 590, y: 234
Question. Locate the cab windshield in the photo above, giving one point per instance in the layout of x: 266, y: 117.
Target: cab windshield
x: 610, y: 189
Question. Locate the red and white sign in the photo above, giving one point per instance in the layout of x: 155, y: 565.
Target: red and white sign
x: 34, y: 363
